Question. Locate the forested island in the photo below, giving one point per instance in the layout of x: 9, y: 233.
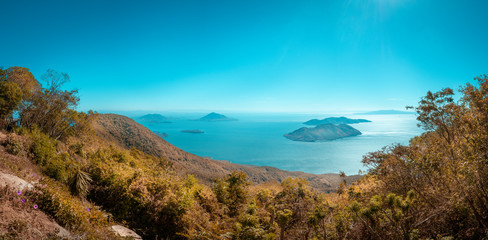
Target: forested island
x: 323, y: 132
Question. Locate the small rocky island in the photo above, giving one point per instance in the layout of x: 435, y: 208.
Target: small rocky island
x: 323, y: 132
x: 335, y: 120
x: 215, y: 117
x: 195, y: 131
x: 154, y: 118
x: 161, y: 134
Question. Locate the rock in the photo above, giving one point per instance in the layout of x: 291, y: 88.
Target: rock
x: 63, y: 233
x: 125, y: 232
x: 14, y: 182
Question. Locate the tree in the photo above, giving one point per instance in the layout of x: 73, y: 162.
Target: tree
x: 16, y: 86
x: 24, y: 79
x: 446, y: 167
x: 10, y: 98
x: 293, y: 205
x: 52, y: 109
x: 232, y: 191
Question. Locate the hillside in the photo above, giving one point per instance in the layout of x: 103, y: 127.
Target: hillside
x: 127, y: 133
x: 59, y: 215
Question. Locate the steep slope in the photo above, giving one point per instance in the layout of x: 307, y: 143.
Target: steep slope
x: 21, y: 181
x: 127, y: 133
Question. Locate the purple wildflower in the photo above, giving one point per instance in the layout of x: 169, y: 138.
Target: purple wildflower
x: 88, y: 209
x: 19, y: 192
x: 35, y: 206
x: 22, y: 200
x: 35, y: 174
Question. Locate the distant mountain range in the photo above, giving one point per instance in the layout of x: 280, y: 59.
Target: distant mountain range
x: 154, y: 118
x: 323, y: 132
x: 384, y: 112
x: 215, y: 117
x: 335, y: 120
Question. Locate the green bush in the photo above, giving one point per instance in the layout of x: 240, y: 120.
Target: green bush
x: 43, y: 147
x: 61, y: 168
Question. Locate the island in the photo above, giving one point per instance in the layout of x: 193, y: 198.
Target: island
x: 215, y: 117
x: 195, y: 131
x: 323, y: 132
x: 335, y: 120
x: 161, y: 134
x: 154, y: 118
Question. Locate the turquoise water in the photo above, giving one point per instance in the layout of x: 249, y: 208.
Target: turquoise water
x: 258, y: 140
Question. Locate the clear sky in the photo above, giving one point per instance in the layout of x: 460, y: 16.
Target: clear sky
x: 263, y: 56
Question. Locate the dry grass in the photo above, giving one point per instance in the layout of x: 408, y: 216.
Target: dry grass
x: 21, y: 221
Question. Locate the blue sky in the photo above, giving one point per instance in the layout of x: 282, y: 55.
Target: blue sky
x: 249, y: 56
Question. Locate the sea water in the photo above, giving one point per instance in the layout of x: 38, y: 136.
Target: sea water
x: 257, y: 139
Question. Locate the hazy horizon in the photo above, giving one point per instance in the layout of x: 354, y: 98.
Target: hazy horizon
x: 249, y: 56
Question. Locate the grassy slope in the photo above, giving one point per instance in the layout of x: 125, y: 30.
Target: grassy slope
x: 21, y: 221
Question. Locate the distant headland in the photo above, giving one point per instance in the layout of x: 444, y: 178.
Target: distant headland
x: 335, y: 120
x: 154, y: 118
x: 384, y: 112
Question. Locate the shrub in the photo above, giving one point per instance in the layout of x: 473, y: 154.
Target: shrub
x: 80, y: 183
x: 61, y: 168
x: 70, y: 212
x: 77, y: 148
x: 14, y: 145
x: 43, y: 147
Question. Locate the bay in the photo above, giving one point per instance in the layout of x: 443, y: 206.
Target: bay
x: 257, y: 139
